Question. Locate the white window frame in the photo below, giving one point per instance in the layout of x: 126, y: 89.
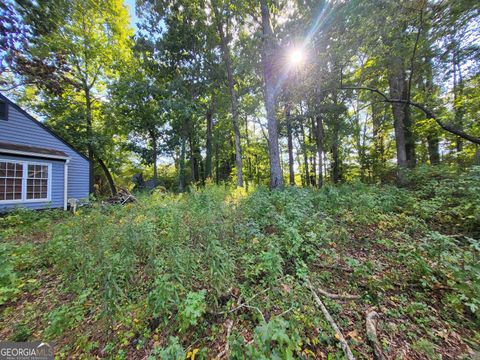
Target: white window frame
x: 25, y: 164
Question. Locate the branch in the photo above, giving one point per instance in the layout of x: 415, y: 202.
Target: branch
x: 13, y: 87
x: 338, y: 296
x: 333, y: 324
x: 371, y: 329
x: 430, y: 114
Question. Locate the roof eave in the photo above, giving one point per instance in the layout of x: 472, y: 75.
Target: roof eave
x: 33, y: 154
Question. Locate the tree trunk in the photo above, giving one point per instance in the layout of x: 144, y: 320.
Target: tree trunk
x: 305, y: 155
x: 88, y: 104
x: 217, y: 165
x: 233, y: 94
x: 276, y: 176
x: 108, y: 175
x: 288, y: 121
x: 195, y: 159
x: 208, y: 155
x: 378, y: 156
x: 432, y: 136
x: 335, y: 154
x: 433, y: 149
x: 153, y: 140
x: 336, y: 167
x: 313, y: 160
x: 249, y: 158
x: 319, y: 142
x: 398, y: 90
x: 181, y: 173
x: 457, y: 94
x: 193, y: 166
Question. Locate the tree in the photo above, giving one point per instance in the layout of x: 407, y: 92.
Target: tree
x: 221, y: 21
x: 90, y: 40
x: 276, y: 175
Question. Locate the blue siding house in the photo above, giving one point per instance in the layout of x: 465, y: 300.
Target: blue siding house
x: 38, y: 169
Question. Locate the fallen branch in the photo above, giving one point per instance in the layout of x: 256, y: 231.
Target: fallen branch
x: 227, y: 346
x: 371, y: 328
x: 346, y: 349
x: 338, y: 296
x: 334, y: 267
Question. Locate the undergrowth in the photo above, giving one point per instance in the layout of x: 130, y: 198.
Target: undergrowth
x: 172, y: 275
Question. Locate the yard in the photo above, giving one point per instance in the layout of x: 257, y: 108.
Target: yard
x: 221, y: 272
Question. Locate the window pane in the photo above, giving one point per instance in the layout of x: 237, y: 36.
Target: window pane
x: 19, y: 170
x: 10, y: 169
x: 2, y: 189
x: 3, y: 169
x: 9, y: 185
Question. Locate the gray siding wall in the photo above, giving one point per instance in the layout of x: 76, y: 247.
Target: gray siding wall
x: 21, y: 130
x: 56, y: 185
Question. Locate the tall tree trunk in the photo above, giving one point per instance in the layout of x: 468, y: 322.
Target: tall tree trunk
x: 305, y: 154
x: 90, y: 150
x: 233, y: 94
x: 378, y: 155
x: 276, y: 176
x: 313, y: 159
x: 181, y: 173
x: 398, y: 90
x: 208, y: 155
x: 335, y: 154
x: 336, y: 167
x: 319, y: 142
x: 195, y: 160
x: 249, y: 158
x: 409, y: 140
x: 153, y: 140
x: 433, y: 149
x: 432, y: 136
x: 217, y: 164
x: 193, y: 165
x: 108, y: 175
x: 288, y: 121
x: 457, y: 94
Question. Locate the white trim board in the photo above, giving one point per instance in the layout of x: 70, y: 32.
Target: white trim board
x: 33, y: 154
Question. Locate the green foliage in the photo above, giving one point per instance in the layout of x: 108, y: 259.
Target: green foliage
x: 272, y: 340
x: 174, y: 351
x: 189, y: 264
x: 8, y: 277
x: 192, y: 309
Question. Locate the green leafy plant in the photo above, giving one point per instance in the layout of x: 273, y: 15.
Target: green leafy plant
x: 192, y: 309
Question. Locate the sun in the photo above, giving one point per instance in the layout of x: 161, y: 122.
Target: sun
x: 296, y: 56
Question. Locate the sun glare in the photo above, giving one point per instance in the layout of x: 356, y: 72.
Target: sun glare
x: 296, y: 56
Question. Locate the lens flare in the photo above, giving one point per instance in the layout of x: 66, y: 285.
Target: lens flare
x: 296, y: 56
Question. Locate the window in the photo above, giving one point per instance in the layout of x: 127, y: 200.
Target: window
x: 3, y: 110
x: 37, y: 181
x: 24, y: 181
x: 11, y: 179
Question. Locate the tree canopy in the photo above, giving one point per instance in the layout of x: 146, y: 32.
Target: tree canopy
x: 250, y: 93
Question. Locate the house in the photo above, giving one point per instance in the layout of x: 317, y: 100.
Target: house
x: 38, y: 169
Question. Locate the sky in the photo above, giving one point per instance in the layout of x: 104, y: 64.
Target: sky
x: 133, y: 16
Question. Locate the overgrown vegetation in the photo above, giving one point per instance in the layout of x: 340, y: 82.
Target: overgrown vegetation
x: 172, y: 275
